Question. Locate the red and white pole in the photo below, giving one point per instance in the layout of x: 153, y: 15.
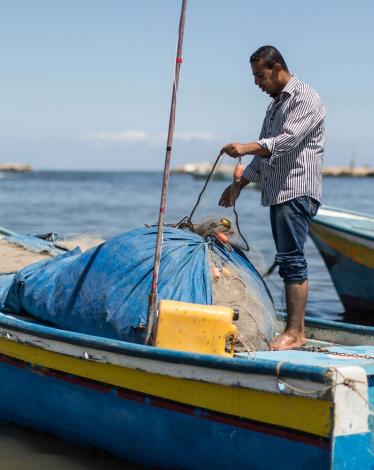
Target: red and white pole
x: 165, y: 183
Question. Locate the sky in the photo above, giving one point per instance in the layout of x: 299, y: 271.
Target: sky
x: 86, y: 84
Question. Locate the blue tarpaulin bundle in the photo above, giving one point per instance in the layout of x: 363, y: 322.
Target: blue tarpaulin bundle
x: 105, y: 291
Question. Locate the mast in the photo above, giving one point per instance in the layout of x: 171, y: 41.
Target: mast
x: 165, y: 182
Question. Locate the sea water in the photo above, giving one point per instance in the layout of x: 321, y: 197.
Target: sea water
x: 103, y: 204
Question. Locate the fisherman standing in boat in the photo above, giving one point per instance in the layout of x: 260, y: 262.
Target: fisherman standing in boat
x: 287, y: 163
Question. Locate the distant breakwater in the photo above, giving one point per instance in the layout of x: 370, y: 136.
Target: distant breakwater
x: 226, y: 170
x: 15, y: 167
x: 357, y: 172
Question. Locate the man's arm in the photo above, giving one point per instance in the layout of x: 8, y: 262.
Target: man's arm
x: 239, y: 150
x: 304, y: 114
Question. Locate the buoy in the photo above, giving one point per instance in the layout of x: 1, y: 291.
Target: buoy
x: 238, y: 172
x: 215, y: 272
x: 225, y: 223
x: 221, y: 237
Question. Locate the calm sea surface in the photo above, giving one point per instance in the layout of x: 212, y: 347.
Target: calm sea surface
x: 107, y: 203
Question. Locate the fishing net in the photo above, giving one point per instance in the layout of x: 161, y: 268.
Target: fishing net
x: 232, y: 286
x: 210, y: 225
x: 104, y: 290
x: 256, y: 323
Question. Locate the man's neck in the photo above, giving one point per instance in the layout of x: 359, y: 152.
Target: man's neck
x: 283, y: 80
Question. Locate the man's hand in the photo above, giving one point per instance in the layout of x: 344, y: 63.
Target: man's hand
x: 234, y: 150
x: 230, y: 195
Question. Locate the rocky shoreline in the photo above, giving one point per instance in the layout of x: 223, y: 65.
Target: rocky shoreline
x: 356, y: 172
x: 203, y: 169
x: 15, y: 167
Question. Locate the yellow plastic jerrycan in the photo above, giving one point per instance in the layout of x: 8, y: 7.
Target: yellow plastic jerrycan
x: 193, y: 327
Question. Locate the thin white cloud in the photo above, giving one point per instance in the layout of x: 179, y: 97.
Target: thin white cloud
x: 134, y: 135
x: 192, y: 136
x: 124, y: 136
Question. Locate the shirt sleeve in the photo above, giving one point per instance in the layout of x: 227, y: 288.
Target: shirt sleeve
x: 304, y: 114
x: 252, y: 171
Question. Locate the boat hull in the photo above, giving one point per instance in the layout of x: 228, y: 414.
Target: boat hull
x: 146, y: 429
x: 349, y: 258
x: 179, y: 410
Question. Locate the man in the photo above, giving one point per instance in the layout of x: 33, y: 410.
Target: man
x: 287, y: 163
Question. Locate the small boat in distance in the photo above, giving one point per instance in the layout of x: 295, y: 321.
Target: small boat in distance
x: 345, y: 240
x: 224, y: 171
x: 201, y: 171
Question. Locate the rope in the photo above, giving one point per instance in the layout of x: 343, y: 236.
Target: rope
x: 241, y: 340
x: 189, y: 218
x: 347, y: 382
x: 352, y: 385
x: 236, y: 212
x: 187, y: 221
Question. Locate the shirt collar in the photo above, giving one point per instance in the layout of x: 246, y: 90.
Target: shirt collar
x: 291, y: 85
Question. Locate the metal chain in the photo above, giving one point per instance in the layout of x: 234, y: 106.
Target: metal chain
x: 334, y: 353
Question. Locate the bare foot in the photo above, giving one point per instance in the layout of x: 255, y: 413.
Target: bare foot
x: 288, y: 340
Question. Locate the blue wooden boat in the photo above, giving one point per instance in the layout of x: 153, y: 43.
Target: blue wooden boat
x: 156, y: 407
x: 345, y: 240
x: 309, y: 408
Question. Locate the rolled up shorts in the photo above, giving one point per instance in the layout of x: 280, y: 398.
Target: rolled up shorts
x: 290, y: 224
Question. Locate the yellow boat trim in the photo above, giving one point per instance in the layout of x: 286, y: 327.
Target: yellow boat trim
x: 359, y: 253
x: 299, y: 413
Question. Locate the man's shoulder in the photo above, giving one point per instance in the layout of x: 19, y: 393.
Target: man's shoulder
x: 303, y: 90
x: 307, y: 97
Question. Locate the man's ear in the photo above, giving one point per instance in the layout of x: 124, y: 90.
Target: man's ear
x: 276, y: 69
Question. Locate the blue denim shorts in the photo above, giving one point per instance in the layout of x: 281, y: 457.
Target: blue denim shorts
x: 290, y: 225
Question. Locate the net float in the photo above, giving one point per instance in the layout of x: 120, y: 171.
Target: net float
x: 215, y: 272
x: 221, y: 237
x: 225, y: 223
x: 238, y: 172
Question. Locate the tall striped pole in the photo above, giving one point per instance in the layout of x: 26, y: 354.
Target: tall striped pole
x: 165, y: 183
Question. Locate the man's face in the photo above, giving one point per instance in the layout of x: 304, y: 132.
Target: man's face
x: 265, y: 78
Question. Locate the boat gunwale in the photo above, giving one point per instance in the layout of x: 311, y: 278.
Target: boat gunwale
x: 239, y: 364
x: 350, y: 231
x: 362, y: 330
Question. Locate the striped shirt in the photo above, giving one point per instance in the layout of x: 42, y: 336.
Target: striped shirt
x: 293, y: 132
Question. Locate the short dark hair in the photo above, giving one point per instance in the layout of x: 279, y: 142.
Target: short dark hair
x: 270, y: 55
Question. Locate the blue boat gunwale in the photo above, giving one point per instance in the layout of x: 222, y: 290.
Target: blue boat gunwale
x: 362, y: 330
x: 303, y: 372
x: 341, y: 228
